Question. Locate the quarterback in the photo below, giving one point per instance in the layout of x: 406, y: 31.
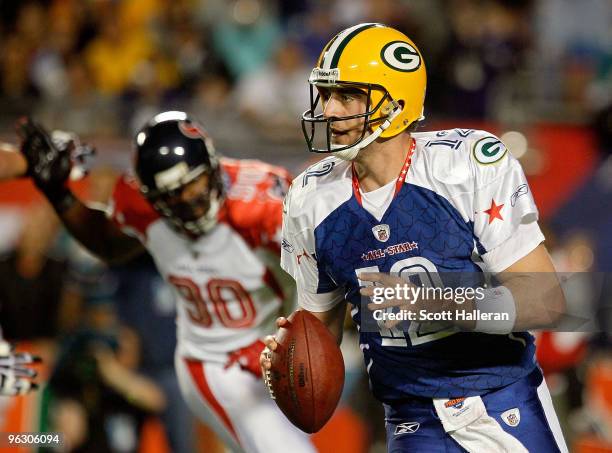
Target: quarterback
x: 390, y: 205
x: 206, y: 222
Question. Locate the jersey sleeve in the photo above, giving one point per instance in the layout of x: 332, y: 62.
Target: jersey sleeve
x: 505, y: 217
x: 317, y: 292
x: 129, y: 210
x: 254, y: 201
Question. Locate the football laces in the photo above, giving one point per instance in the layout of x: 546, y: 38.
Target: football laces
x: 268, y: 375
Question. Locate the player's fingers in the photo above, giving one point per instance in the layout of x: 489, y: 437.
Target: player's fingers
x: 23, y: 372
x: 281, y: 322
x: 25, y: 358
x: 387, y: 304
x: 370, y: 276
x: 24, y: 386
x: 390, y: 324
x: 270, y: 342
x: 367, y: 291
x: 12, y: 386
x: 265, y: 359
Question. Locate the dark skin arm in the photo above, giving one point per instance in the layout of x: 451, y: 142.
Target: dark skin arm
x: 92, y: 228
x: 49, y: 165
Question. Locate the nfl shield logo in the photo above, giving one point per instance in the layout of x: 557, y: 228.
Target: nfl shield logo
x: 381, y: 232
x: 511, y: 417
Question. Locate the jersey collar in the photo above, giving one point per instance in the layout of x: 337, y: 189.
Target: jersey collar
x: 399, y: 183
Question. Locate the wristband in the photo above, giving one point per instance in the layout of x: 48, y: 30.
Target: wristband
x: 62, y: 199
x: 498, y: 300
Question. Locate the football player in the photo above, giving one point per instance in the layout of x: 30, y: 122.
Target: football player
x: 205, y: 221
x: 390, y: 205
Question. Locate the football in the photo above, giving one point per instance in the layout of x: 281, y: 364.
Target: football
x: 307, y: 374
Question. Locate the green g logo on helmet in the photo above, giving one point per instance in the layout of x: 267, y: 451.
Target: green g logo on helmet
x: 401, y: 56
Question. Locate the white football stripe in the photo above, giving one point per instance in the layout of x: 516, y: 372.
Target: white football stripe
x: 329, y: 55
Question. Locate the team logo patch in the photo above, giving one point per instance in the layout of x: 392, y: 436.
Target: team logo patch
x: 407, y: 428
x: 401, y: 56
x: 192, y: 130
x: 381, y: 232
x: 511, y: 417
x: 456, y: 403
x: 489, y: 150
x: 287, y: 246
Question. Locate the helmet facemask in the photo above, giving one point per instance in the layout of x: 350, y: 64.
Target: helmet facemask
x: 196, y: 216
x: 387, y: 66
x: 381, y: 109
x: 179, y: 172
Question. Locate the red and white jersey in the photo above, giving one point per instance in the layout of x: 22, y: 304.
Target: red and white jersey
x: 227, y: 297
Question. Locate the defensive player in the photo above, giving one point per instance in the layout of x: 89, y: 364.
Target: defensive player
x: 435, y: 208
x: 205, y: 221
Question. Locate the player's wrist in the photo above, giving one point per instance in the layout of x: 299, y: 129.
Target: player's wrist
x: 464, y: 323
x: 496, y: 311
x: 61, y: 198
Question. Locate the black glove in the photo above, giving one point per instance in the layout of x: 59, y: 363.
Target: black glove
x: 48, y: 164
x: 51, y: 159
x: 16, y: 375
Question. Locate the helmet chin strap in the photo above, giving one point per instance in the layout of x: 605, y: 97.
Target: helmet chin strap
x: 206, y: 223
x: 351, y: 153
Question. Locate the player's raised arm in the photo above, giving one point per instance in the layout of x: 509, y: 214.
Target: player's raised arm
x: 12, y: 163
x: 49, y: 165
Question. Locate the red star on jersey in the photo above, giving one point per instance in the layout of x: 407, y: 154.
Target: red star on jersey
x: 301, y: 255
x: 494, y: 212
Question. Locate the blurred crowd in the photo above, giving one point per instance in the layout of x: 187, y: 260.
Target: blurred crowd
x: 97, y: 66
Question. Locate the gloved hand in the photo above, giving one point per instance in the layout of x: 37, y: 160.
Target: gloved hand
x: 16, y: 374
x: 52, y: 158
x: 49, y: 165
x: 248, y: 358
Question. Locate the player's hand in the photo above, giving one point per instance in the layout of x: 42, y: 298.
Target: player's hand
x: 53, y: 157
x: 49, y: 162
x: 271, y: 345
x: 16, y: 375
x: 265, y: 358
x: 380, y: 279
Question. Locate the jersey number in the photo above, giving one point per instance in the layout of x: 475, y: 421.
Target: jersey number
x: 232, y: 305
x: 425, y: 271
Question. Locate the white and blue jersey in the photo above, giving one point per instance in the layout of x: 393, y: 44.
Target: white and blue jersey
x: 463, y: 207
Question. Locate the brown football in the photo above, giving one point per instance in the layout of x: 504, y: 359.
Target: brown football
x: 307, y: 374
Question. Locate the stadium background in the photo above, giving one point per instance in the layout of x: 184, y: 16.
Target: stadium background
x: 536, y: 72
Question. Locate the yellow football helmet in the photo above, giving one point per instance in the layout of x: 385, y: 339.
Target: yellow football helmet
x: 383, y: 63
